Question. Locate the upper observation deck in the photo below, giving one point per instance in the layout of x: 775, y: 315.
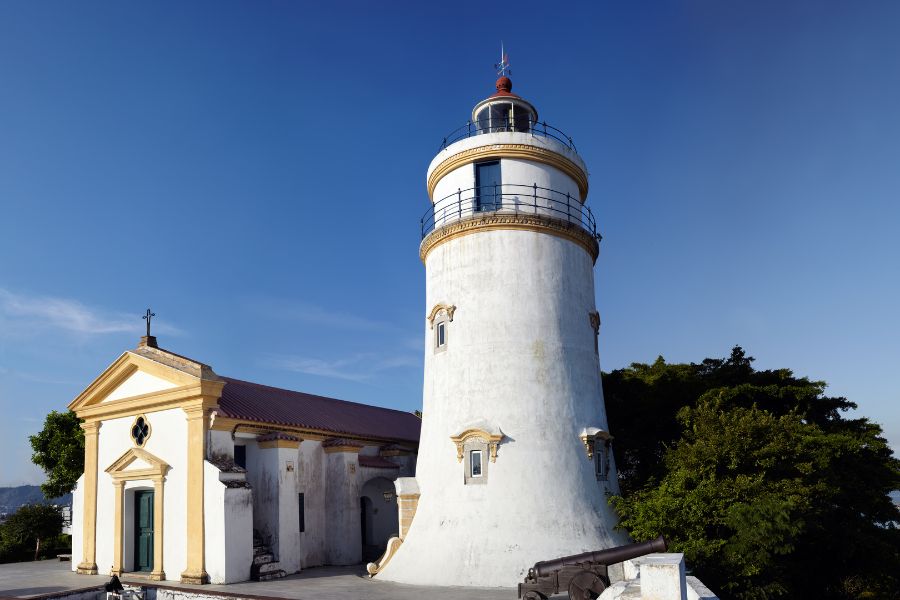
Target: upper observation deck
x: 505, y: 126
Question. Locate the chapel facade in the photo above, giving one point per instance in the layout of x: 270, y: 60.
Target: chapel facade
x: 194, y: 477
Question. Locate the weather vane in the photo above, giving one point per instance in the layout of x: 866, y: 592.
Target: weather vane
x: 503, y: 66
x: 147, y: 318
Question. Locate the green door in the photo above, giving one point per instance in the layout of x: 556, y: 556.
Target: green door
x: 143, y: 530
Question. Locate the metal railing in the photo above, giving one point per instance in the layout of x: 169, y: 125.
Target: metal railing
x: 509, y: 198
x: 539, y: 128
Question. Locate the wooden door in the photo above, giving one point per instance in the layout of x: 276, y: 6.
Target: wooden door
x: 143, y: 530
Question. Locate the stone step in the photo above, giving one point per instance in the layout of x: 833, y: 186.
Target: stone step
x: 273, y: 575
x: 271, y: 567
x: 257, y: 550
x: 261, y: 559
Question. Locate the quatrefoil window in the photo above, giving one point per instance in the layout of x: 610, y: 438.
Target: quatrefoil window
x: 140, y: 431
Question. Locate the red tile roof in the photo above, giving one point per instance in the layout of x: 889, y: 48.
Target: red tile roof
x: 376, y: 462
x: 265, y: 404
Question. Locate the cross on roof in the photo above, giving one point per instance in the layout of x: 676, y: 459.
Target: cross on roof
x: 147, y: 318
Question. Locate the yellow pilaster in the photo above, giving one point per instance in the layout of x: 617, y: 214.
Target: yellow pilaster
x: 196, y: 453
x: 88, y: 564
x: 158, y: 573
x: 117, y: 532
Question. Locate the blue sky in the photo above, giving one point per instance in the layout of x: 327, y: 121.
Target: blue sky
x: 254, y: 171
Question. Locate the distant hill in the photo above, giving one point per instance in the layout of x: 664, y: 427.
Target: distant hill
x: 11, y: 498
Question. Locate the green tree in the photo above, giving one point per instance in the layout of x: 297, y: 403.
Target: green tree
x: 33, y: 523
x: 59, y: 451
x: 759, y: 480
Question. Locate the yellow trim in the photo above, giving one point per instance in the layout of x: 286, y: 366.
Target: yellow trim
x: 333, y: 449
x: 158, y: 574
x: 504, y: 221
x: 393, y: 544
x: 492, y: 439
x: 118, y: 568
x: 156, y: 473
x: 279, y: 444
x: 197, y: 422
x: 313, y: 435
x: 447, y: 308
x: 88, y: 564
x: 522, y: 151
x: 154, y: 401
x: 122, y: 369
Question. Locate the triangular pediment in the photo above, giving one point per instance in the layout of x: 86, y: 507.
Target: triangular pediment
x: 137, y: 463
x: 146, y: 373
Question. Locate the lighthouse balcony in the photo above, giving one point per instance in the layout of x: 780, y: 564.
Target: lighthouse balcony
x: 508, y: 125
x: 513, y: 200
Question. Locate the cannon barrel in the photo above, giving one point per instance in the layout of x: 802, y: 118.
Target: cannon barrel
x: 603, y: 557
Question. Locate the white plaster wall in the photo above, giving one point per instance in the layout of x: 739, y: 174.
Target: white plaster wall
x: 139, y: 383
x: 342, y: 541
x: 229, y: 529
x: 77, y: 523
x: 219, y: 443
x: 275, y: 503
x: 288, y: 510
x: 311, y: 482
x: 168, y: 441
x: 520, y: 356
x: 383, y: 522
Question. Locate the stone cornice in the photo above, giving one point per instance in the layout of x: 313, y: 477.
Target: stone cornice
x: 495, y: 221
x: 522, y: 151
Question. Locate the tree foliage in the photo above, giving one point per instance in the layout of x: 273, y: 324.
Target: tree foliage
x: 59, y: 451
x: 757, y: 478
x: 30, y: 525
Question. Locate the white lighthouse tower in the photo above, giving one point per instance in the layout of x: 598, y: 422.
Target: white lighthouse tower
x: 514, y: 464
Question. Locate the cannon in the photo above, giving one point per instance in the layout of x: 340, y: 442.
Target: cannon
x: 584, y: 575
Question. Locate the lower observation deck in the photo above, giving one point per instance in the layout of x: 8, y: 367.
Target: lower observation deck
x: 509, y: 206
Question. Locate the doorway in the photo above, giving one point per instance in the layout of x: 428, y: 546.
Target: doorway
x: 143, y: 530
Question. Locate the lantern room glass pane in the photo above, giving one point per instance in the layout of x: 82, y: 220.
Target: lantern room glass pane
x: 501, y: 116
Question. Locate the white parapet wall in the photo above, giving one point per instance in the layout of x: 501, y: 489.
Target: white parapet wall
x: 657, y: 577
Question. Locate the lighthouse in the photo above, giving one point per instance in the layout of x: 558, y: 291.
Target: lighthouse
x: 514, y: 461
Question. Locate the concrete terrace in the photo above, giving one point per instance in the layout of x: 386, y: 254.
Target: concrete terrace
x: 50, y: 578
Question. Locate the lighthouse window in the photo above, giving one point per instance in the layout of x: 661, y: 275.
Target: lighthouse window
x: 475, y: 462
x: 441, y: 334
x: 601, y: 459
x: 488, y: 186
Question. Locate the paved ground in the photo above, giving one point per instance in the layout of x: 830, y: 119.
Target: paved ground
x: 321, y: 583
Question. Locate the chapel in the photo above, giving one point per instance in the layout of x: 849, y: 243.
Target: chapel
x: 195, y: 477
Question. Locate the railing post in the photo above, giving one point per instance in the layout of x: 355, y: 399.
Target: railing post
x: 422, y: 226
x: 459, y: 202
x: 468, y: 129
x: 534, y: 195
x: 568, y: 208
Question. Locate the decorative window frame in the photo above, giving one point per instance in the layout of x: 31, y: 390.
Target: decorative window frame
x: 440, y: 315
x: 146, y: 437
x: 447, y: 309
x: 478, y: 440
x: 598, y: 447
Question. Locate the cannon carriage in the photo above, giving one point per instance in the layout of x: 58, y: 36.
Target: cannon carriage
x: 583, y: 576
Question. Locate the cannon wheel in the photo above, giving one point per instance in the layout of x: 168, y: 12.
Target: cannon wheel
x: 534, y: 595
x: 585, y: 586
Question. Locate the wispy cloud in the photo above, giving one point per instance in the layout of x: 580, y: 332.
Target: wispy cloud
x: 66, y: 314
x: 326, y: 317
x: 360, y: 367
